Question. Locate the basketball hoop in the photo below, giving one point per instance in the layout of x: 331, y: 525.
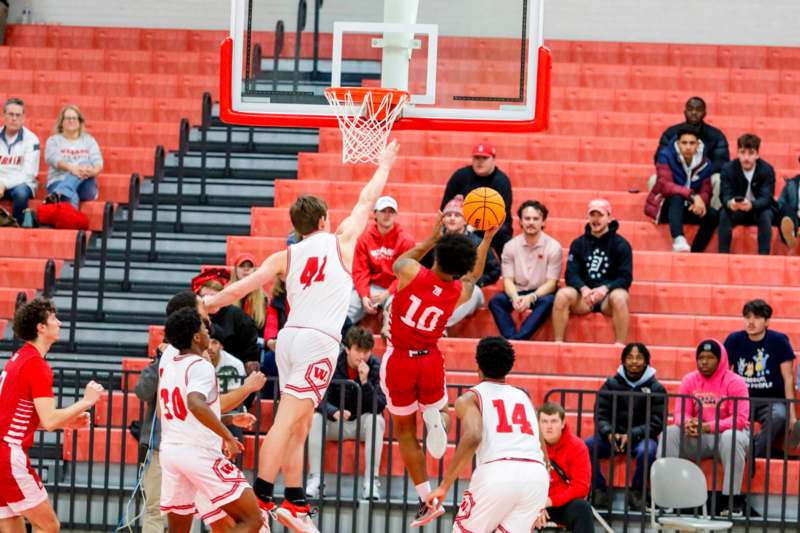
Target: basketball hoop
x: 366, y: 116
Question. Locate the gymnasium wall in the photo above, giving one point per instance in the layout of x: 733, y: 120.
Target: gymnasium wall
x: 695, y: 21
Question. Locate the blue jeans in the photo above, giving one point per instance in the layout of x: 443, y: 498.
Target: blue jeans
x: 74, y: 189
x: 501, y: 308
x: 19, y: 195
x: 645, y: 448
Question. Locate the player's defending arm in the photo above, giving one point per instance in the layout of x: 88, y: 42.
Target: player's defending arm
x: 233, y: 399
x: 471, y: 278
x: 196, y: 403
x: 407, y: 265
x: 353, y: 226
x: 272, y: 267
x: 471, y: 435
x: 51, y: 419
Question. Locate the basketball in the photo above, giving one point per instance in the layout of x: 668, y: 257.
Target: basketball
x: 484, y: 208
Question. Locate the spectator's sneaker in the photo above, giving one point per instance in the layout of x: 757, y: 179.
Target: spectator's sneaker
x: 737, y: 507
x: 314, y: 487
x: 788, y: 233
x: 295, y: 517
x: 374, y: 493
x: 267, y: 508
x: 679, y: 244
x: 437, y: 435
x: 427, y: 514
x: 600, y: 498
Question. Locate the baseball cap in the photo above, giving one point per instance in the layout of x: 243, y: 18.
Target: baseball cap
x: 484, y: 149
x: 599, y: 204
x: 384, y: 202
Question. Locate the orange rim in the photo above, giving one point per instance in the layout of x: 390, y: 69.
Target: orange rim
x: 359, y: 93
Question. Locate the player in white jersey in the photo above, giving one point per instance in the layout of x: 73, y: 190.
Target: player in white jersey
x: 508, y: 489
x: 318, y: 285
x: 196, y: 476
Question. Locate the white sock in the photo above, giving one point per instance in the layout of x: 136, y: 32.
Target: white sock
x: 424, y: 490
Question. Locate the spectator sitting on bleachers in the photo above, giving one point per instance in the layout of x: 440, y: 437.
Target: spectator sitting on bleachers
x: 256, y: 303
x: 764, y: 358
x: 73, y: 159
x: 599, y: 274
x: 483, y: 172
x: 712, y: 381
x: 234, y: 329
x: 356, y: 363
x: 747, y: 190
x: 715, y: 145
x: 570, y: 473
x: 789, y: 211
x: 615, y: 433
x: 682, y: 192
x: 453, y: 222
x: 531, y: 270
x: 377, y: 249
x: 19, y: 158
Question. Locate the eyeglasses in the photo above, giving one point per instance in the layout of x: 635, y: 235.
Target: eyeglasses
x: 71, y: 119
x: 14, y: 115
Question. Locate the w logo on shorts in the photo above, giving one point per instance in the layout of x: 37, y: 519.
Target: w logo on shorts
x: 227, y: 471
x: 320, y: 374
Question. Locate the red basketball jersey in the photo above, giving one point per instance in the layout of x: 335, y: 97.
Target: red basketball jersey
x: 26, y: 376
x: 420, y: 311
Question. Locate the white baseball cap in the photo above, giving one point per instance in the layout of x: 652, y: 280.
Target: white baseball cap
x: 384, y: 202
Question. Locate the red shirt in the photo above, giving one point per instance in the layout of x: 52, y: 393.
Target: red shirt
x: 27, y: 376
x: 572, y: 455
x: 421, y: 309
x: 374, y: 256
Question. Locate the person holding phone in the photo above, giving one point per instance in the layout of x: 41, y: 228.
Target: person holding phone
x: 747, y: 190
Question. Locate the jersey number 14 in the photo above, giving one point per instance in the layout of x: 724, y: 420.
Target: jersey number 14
x: 518, y: 418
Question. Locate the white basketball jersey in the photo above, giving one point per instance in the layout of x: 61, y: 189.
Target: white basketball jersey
x: 318, y: 285
x: 510, y: 426
x: 178, y: 376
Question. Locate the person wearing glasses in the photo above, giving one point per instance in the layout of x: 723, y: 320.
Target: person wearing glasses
x: 19, y: 158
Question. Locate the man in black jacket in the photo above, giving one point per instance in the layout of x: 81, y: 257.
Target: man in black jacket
x: 483, y: 172
x: 641, y: 395
x: 789, y: 210
x: 747, y: 190
x: 354, y: 405
x: 714, y: 142
x: 599, y: 274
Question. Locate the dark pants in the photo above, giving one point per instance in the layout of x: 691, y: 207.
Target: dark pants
x: 728, y: 219
x: 19, y: 196
x: 576, y: 516
x: 641, y: 451
x: 501, y: 308
x: 676, y: 212
x: 772, y: 425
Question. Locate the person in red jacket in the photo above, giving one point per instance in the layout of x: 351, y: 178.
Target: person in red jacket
x: 570, y: 473
x: 376, y: 251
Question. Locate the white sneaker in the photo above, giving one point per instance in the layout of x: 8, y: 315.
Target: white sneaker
x: 679, y: 244
x: 313, y: 486
x: 437, y: 435
x: 375, y: 493
x: 295, y: 518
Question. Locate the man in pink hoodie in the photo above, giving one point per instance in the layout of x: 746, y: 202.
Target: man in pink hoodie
x: 376, y: 251
x: 712, y: 381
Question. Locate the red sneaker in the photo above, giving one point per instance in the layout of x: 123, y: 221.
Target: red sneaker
x: 296, y: 518
x: 267, y: 508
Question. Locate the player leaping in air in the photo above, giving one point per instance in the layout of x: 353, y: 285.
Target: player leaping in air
x: 412, y: 369
x: 318, y: 286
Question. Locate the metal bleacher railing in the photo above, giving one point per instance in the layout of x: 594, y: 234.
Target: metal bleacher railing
x: 90, y: 473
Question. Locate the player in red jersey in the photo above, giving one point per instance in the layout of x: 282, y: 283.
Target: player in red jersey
x: 412, y: 369
x: 26, y: 404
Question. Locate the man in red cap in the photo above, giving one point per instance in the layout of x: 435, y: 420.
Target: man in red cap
x: 483, y: 172
x: 599, y: 274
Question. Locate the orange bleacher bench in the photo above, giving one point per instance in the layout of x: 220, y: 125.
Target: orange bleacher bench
x: 38, y: 243
x: 25, y: 272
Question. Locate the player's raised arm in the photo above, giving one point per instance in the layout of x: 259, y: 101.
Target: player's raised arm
x: 407, y: 265
x: 471, y: 436
x: 272, y: 267
x: 351, y: 227
x: 475, y: 274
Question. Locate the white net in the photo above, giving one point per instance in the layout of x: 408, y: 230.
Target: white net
x: 365, y: 119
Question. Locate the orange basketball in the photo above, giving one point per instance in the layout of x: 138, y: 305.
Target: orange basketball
x: 484, y: 208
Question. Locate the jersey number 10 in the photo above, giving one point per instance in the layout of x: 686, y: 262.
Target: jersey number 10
x: 518, y: 418
x: 427, y: 319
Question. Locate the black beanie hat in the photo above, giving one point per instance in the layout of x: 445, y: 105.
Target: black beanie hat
x: 709, y: 345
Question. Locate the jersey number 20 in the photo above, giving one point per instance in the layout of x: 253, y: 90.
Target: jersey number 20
x: 518, y: 418
x: 313, y: 271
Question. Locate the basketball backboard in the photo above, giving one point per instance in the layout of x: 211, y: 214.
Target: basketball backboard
x: 468, y: 64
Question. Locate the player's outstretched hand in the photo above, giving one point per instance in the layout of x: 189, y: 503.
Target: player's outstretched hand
x: 436, y: 497
x: 79, y: 422
x: 232, y: 447
x: 92, y: 392
x: 255, y: 381
x: 243, y: 420
x: 438, y: 223
x: 541, y: 520
x: 491, y: 232
x: 389, y: 155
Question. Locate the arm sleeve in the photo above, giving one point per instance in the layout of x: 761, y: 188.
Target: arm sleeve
x: 52, y: 154
x: 371, y: 390
x: 684, y: 409
x: 247, y: 337
x: 726, y: 191
x: 720, y: 155
x: 658, y: 406
x: 573, y: 273
x: 507, y: 261
x: 40, y: 377
x: 602, y: 413
x: 491, y: 270
x: 766, y: 192
x: 361, y: 269
x: 31, y: 165
x: 554, y: 261
x: 736, y: 389
x: 784, y: 202
x: 147, y: 385
x: 665, y: 182
x: 579, y: 470
x: 706, y: 191
x: 200, y: 377
x: 625, y: 269
x: 271, y: 326
x: 95, y: 156
x: 662, y: 143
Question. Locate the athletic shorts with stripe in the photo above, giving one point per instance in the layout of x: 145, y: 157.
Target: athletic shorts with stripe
x: 306, y: 360
x: 505, y: 496
x: 413, y: 380
x: 20, y: 486
x: 198, y: 480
